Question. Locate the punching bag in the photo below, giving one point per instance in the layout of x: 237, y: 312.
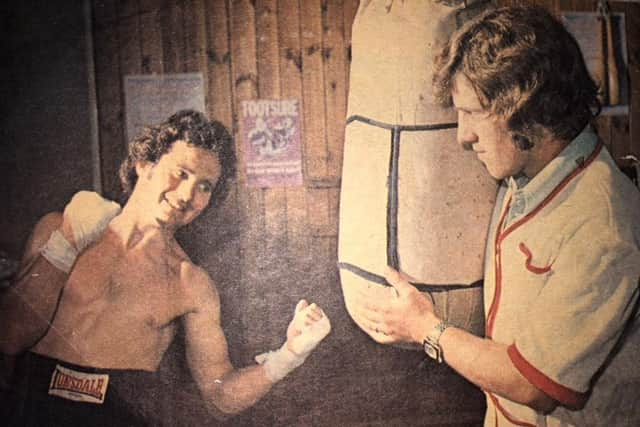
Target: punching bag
x: 411, y: 197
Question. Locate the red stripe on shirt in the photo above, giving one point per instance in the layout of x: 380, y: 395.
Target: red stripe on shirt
x: 568, y: 397
x: 491, y: 314
x: 500, y: 236
x: 553, y: 193
x: 532, y: 268
x: 506, y: 414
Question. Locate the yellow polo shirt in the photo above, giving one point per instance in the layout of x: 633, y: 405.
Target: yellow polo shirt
x: 561, y: 284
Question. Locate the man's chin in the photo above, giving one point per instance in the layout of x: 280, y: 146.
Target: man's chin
x: 484, y: 165
x: 495, y: 175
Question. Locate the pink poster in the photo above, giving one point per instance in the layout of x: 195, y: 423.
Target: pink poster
x: 271, y: 133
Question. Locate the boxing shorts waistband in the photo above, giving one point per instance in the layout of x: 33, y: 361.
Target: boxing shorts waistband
x: 77, y: 382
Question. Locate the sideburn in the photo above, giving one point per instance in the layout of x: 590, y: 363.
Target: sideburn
x: 522, y: 142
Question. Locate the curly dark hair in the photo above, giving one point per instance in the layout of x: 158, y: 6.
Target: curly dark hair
x: 193, y: 128
x: 524, y: 66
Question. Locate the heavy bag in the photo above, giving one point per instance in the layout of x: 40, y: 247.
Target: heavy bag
x: 411, y: 197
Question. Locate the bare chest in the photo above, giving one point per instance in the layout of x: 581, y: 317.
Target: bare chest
x: 135, y: 291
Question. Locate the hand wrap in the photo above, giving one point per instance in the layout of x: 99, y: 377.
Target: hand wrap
x: 279, y: 363
x: 59, y: 252
x: 88, y: 214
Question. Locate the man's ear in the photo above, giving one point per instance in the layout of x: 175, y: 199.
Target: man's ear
x: 143, y: 168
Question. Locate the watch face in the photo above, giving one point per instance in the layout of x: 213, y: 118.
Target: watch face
x: 431, y: 351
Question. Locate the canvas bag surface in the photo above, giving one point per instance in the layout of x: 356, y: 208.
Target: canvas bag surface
x: 411, y: 197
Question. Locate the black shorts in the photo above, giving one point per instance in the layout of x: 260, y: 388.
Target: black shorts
x: 49, y: 392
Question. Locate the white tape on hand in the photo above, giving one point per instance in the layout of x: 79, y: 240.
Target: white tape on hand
x: 310, y: 336
x: 59, y: 252
x: 279, y: 363
x: 308, y: 327
x: 302, y: 338
x: 88, y: 213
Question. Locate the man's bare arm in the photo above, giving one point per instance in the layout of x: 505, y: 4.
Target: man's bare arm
x: 224, y: 388
x: 28, y: 305
x: 487, y: 364
x: 409, y: 317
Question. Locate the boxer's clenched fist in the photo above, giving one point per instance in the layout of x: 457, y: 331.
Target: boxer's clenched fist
x: 309, y: 326
x: 87, y: 215
x: 84, y: 219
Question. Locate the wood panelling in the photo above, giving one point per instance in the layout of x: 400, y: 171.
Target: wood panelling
x: 265, y: 248
x: 334, y: 52
x: 314, y: 119
x: 150, y: 38
x: 290, y: 62
x: 109, y: 94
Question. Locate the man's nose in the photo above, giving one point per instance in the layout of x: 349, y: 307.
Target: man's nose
x: 186, y: 191
x: 465, y: 135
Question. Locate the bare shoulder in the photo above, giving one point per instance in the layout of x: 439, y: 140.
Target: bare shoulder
x: 198, y: 286
x: 41, y: 232
x: 194, y: 275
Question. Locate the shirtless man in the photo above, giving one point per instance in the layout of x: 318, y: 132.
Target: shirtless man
x: 118, y: 306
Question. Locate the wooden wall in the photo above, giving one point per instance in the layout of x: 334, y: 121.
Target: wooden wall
x: 266, y: 248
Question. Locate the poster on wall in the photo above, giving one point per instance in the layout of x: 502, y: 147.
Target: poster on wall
x: 153, y: 98
x: 271, y: 135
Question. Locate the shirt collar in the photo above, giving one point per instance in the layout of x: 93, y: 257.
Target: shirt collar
x: 529, y: 193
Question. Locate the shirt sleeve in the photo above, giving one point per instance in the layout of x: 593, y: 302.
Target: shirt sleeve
x: 568, y: 331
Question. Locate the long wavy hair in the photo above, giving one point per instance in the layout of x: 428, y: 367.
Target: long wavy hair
x: 525, y: 67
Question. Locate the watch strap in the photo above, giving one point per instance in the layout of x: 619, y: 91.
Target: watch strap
x: 432, y: 341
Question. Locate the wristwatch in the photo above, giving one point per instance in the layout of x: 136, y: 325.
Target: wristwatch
x: 431, y: 342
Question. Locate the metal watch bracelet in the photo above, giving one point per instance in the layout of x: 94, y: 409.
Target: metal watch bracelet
x: 431, y: 342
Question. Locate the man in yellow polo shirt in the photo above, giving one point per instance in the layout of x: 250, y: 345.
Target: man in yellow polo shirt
x: 562, y: 259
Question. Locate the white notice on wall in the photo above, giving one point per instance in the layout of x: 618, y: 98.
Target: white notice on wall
x: 150, y: 99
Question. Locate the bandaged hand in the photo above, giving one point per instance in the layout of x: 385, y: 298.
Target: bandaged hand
x: 88, y: 214
x: 83, y: 221
x: 309, y: 326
